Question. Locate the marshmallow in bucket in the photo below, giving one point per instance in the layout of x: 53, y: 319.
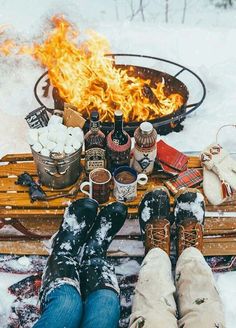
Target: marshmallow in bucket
x: 55, y: 138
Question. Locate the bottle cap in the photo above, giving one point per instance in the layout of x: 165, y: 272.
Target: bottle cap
x: 94, y: 116
x: 118, y: 113
x: 146, y: 127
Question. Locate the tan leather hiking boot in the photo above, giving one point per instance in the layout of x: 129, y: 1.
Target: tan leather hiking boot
x: 157, y: 234
x: 154, y: 219
x: 189, y: 234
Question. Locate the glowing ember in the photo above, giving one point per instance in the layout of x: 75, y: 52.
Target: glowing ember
x: 87, y: 79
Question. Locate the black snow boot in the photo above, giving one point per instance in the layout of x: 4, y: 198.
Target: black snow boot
x: 96, y: 271
x: 62, y: 266
x: 155, y: 205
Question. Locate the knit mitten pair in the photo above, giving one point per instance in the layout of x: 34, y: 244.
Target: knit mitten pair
x: 219, y: 174
x: 83, y: 229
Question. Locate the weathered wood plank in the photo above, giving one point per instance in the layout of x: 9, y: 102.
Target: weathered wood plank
x: 17, y: 157
x: 119, y: 248
x: 214, y: 227
x: 17, y: 168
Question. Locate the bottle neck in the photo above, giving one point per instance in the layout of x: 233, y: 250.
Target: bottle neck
x: 94, y: 126
x: 118, y: 126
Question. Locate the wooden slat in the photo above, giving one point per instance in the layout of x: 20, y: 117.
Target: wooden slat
x: 22, y: 200
x: 9, y: 185
x: 49, y: 225
x: 119, y: 248
x: 17, y: 157
x: 33, y: 213
x: 17, y: 168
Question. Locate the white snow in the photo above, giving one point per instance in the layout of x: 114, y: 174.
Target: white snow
x: 70, y: 222
x: 101, y: 234
x: 205, y: 43
x: 146, y: 212
x: 128, y: 268
x: 24, y: 261
x: 194, y: 207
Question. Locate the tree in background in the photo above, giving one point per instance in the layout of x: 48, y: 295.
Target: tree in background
x: 223, y: 3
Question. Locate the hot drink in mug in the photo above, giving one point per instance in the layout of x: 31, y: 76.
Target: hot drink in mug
x: 99, y: 185
x: 125, y: 183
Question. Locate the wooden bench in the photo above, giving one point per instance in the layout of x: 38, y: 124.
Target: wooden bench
x: 25, y: 227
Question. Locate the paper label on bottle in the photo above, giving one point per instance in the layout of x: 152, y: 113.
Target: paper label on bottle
x: 95, y: 158
x: 144, y: 160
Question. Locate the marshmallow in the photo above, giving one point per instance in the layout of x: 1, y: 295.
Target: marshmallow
x: 59, y: 148
x: 43, y: 130
x: 43, y: 139
x: 69, y: 140
x: 78, y: 132
x: 70, y: 131
x: 32, y: 136
x: 69, y: 150
x: 61, y: 127
x: 51, y: 145
x: 37, y: 147
x: 45, y: 152
x: 76, y: 144
x: 52, y: 135
x: 61, y: 138
x: 55, y: 119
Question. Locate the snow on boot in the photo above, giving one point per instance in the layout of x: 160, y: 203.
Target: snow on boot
x: 62, y: 266
x: 189, y: 204
x: 154, y: 214
x: 96, y: 271
x: 189, y: 211
x: 78, y: 220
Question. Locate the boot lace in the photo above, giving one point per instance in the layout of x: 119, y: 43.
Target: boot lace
x: 190, y: 238
x: 157, y: 236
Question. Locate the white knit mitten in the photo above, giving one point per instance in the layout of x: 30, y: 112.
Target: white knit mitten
x: 216, y: 159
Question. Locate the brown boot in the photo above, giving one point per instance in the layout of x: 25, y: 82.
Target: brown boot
x: 189, y: 234
x: 189, y: 213
x: 154, y: 212
x: 157, y: 234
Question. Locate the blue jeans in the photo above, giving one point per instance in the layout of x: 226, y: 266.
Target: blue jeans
x: 64, y: 308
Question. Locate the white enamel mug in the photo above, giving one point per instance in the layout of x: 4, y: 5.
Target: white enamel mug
x: 127, y: 191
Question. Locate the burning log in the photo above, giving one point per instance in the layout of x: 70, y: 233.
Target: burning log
x: 148, y: 93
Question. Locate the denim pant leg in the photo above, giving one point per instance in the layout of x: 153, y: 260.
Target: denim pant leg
x: 63, y: 308
x: 101, y: 309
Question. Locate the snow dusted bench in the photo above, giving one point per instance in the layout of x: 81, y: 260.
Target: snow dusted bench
x: 25, y: 227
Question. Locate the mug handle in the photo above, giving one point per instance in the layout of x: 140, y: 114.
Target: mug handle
x: 84, y: 184
x: 142, y: 179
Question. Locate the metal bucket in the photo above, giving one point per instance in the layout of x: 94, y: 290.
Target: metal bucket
x: 58, y: 171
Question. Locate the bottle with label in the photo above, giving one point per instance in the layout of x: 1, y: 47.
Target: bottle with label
x: 118, y: 144
x: 95, y: 145
x: 145, y: 151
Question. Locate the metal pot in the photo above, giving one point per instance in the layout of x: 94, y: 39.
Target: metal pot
x: 58, y: 171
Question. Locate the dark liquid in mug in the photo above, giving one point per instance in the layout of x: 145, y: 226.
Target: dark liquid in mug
x: 125, y: 177
x: 100, y: 176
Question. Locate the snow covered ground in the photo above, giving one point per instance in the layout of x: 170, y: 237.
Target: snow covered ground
x: 205, y: 43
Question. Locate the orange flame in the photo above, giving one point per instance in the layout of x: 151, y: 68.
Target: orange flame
x: 87, y: 79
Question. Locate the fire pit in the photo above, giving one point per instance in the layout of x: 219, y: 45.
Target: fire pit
x: 136, y: 66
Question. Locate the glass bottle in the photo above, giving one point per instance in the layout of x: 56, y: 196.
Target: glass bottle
x: 118, y: 135
x: 95, y: 145
x: 118, y: 144
x: 145, y: 150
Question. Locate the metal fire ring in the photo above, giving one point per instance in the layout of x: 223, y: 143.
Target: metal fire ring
x: 188, y: 109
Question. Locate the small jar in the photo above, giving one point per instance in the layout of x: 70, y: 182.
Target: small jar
x: 145, y: 151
